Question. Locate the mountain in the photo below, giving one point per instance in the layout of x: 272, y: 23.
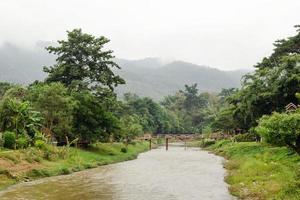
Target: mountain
x: 18, y: 65
x: 150, y: 77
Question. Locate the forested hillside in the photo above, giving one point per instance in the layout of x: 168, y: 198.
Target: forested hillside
x: 150, y: 77
x: 146, y: 77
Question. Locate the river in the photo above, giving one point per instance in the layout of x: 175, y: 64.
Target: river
x: 177, y: 174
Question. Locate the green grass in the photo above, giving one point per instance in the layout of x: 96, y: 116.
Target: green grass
x: 259, y: 171
x: 61, y: 160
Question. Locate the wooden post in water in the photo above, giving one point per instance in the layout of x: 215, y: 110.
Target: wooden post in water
x: 150, y: 144
x: 167, y: 144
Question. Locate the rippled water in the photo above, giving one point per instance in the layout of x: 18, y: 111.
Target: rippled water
x: 177, y: 174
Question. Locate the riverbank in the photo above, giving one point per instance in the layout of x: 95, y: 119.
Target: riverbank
x: 33, y: 163
x: 258, y: 171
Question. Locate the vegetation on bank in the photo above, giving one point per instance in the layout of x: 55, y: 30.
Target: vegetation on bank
x: 32, y: 163
x: 258, y: 171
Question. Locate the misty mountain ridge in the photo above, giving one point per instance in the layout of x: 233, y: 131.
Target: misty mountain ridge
x: 151, y: 77
x: 158, y: 81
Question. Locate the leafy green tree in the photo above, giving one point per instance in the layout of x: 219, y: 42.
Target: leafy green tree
x: 92, y: 120
x: 192, y: 99
x: 225, y: 94
x: 174, y: 106
x: 152, y: 116
x: 271, y: 87
x: 56, y: 106
x: 191, y: 111
x: 83, y: 63
x: 224, y: 120
x: 87, y: 70
x: 131, y: 127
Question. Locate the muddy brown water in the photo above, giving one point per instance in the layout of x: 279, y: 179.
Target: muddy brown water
x: 177, y: 174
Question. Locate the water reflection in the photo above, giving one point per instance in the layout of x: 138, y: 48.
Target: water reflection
x: 157, y: 175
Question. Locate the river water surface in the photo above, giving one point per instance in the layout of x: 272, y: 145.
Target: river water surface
x: 177, y: 174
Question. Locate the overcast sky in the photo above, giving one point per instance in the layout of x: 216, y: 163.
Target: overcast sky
x: 226, y: 34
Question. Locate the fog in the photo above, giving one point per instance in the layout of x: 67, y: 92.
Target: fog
x: 227, y: 35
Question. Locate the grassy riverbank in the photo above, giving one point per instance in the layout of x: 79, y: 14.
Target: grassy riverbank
x: 33, y: 163
x: 259, y: 171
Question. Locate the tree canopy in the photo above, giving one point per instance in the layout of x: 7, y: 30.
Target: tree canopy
x: 83, y: 63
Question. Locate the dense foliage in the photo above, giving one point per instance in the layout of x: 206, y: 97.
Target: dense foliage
x: 78, y: 101
x: 56, y: 107
x: 281, y: 129
x: 269, y: 88
x: 82, y: 63
x: 194, y: 112
x: 151, y: 116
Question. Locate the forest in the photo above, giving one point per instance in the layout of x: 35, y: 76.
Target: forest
x: 77, y: 101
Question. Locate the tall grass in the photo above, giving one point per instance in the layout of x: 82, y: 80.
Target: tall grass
x: 259, y: 171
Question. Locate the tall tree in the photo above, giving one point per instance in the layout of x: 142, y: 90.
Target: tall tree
x: 82, y: 63
x: 272, y: 86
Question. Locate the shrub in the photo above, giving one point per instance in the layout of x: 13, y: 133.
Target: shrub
x: 281, y: 129
x: 246, y: 137
x: 22, y: 142
x: 9, y: 140
x: 41, y: 144
x: 124, y: 149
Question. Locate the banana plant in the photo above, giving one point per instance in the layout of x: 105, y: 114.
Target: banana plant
x: 19, y: 117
